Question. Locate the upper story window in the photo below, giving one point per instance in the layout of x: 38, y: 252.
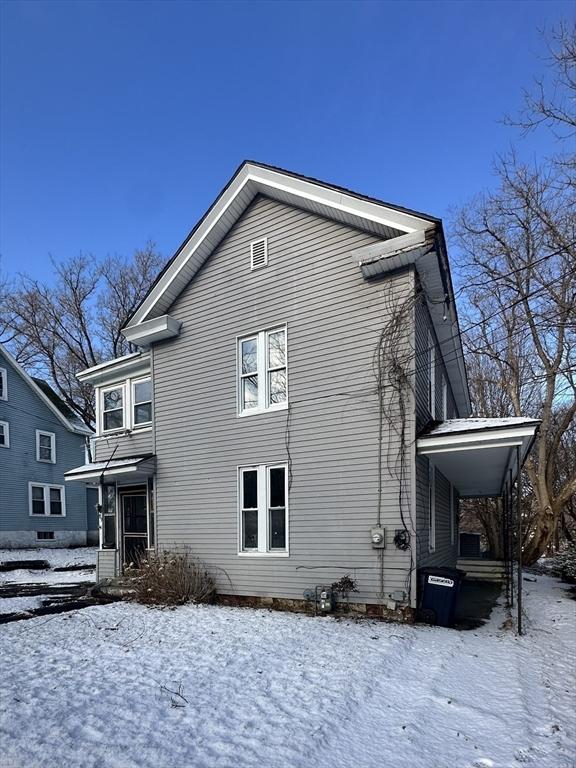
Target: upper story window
x: 4, y: 434
x: 142, y: 401
x: 263, y: 371
x: 444, y: 398
x: 431, y: 376
x: 112, y: 409
x: 3, y: 384
x: 45, y: 446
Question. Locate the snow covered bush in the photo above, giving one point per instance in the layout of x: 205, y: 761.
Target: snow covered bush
x: 564, y: 564
x: 170, y: 578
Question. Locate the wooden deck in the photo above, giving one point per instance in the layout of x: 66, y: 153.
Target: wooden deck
x: 480, y: 569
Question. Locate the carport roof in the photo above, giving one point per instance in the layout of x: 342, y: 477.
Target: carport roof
x: 476, y: 455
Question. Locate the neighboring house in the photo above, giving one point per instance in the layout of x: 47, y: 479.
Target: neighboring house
x: 40, y: 439
x: 250, y: 427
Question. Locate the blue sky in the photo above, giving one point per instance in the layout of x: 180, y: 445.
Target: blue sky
x: 121, y: 121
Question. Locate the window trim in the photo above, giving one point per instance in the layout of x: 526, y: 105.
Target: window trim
x: 263, y: 485
x: 46, y: 487
x: 111, y: 388
x: 262, y: 371
x: 133, y: 403
x: 431, y: 508
x: 6, y: 426
x: 52, y: 435
x: 444, y: 398
x: 4, y: 377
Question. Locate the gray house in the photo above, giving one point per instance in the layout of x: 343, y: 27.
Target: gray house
x: 298, y: 409
x: 40, y: 439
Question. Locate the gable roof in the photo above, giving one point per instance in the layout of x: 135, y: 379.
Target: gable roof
x: 44, y: 391
x: 252, y: 178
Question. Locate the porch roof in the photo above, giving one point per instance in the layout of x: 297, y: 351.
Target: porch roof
x: 476, y: 455
x: 135, y: 468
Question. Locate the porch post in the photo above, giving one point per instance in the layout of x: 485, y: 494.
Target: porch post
x: 504, y: 503
x: 519, y: 511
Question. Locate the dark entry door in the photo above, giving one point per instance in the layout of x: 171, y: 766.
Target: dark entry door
x: 134, y: 526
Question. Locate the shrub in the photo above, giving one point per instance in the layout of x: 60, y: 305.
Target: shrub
x: 564, y: 564
x: 170, y: 578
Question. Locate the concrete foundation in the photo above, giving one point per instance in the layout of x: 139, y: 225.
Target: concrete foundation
x: 30, y: 540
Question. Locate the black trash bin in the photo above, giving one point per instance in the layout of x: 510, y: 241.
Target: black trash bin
x: 439, y: 588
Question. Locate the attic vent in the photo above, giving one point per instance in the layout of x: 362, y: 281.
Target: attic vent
x: 259, y: 253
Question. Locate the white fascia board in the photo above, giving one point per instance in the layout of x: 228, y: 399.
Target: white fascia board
x: 136, y: 363
x: 32, y: 384
x: 256, y: 180
x: 493, y: 438
x: 149, y: 331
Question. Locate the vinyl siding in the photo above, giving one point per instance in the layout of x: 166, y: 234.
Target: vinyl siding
x: 445, y: 552
x: 136, y: 443
x: 26, y: 412
x: 106, y: 564
x: 333, y: 319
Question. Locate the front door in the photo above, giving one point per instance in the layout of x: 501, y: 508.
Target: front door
x: 134, y: 526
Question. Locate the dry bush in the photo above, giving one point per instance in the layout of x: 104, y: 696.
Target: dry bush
x: 170, y: 578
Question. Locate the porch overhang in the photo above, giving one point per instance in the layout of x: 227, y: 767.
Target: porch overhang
x: 135, y: 469
x: 478, y: 456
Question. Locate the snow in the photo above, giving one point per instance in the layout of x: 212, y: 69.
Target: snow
x: 451, y: 426
x: 19, y: 604
x: 58, y: 558
x: 127, y: 686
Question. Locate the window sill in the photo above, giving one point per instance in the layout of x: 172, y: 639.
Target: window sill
x: 260, y: 411
x: 263, y: 554
x: 32, y: 514
x: 45, y: 461
x: 124, y: 432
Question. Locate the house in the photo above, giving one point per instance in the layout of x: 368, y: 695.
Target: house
x: 40, y: 439
x: 298, y: 407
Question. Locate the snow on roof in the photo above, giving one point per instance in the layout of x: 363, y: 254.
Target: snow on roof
x: 451, y: 426
x: 98, y: 466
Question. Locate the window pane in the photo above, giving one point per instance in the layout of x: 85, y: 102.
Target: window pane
x: 250, y: 489
x: 277, y: 487
x: 38, y: 507
x: 113, y: 420
x: 142, y: 413
x: 113, y: 399
x: 38, y: 492
x: 250, y: 529
x: 249, y: 356
x: 250, y: 392
x: 277, y: 525
x: 277, y: 383
x: 2, y: 435
x: 277, y: 349
x: 109, y: 499
x: 45, y: 452
x: 143, y: 391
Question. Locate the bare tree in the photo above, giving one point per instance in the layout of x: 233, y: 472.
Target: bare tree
x: 57, y: 329
x: 519, y: 276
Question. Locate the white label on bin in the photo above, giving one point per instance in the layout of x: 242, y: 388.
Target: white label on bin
x: 441, y: 581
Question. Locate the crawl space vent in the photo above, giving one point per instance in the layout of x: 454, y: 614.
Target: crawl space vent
x: 258, y: 253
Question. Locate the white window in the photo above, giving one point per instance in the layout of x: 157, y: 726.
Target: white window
x: 3, y: 384
x: 444, y: 398
x: 431, y: 508
x: 112, y: 409
x: 142, y: 402
x: 4, y: 434
x: 45, y: 446
x: 263, y: 371
x: 49, y: 500
x: 263, y: 508
x: 431, y: 376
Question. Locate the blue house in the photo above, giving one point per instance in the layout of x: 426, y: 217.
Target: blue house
x: 40, y: 439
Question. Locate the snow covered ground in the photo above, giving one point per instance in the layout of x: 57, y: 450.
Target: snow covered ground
x: 58, y: 558
x: 125, y: 686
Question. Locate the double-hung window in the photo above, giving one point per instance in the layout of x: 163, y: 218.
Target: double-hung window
x: 141, y: 402
x: 108, y: 517
x: 3, y: 384
x: 263, y: 371
x: 48, y: 500
x: 263, y: 493
x: 112, y: 409
x: 4, y: 434
x: 45, y: 446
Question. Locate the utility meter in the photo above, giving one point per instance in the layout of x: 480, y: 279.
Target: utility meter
x: 378, y: 537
